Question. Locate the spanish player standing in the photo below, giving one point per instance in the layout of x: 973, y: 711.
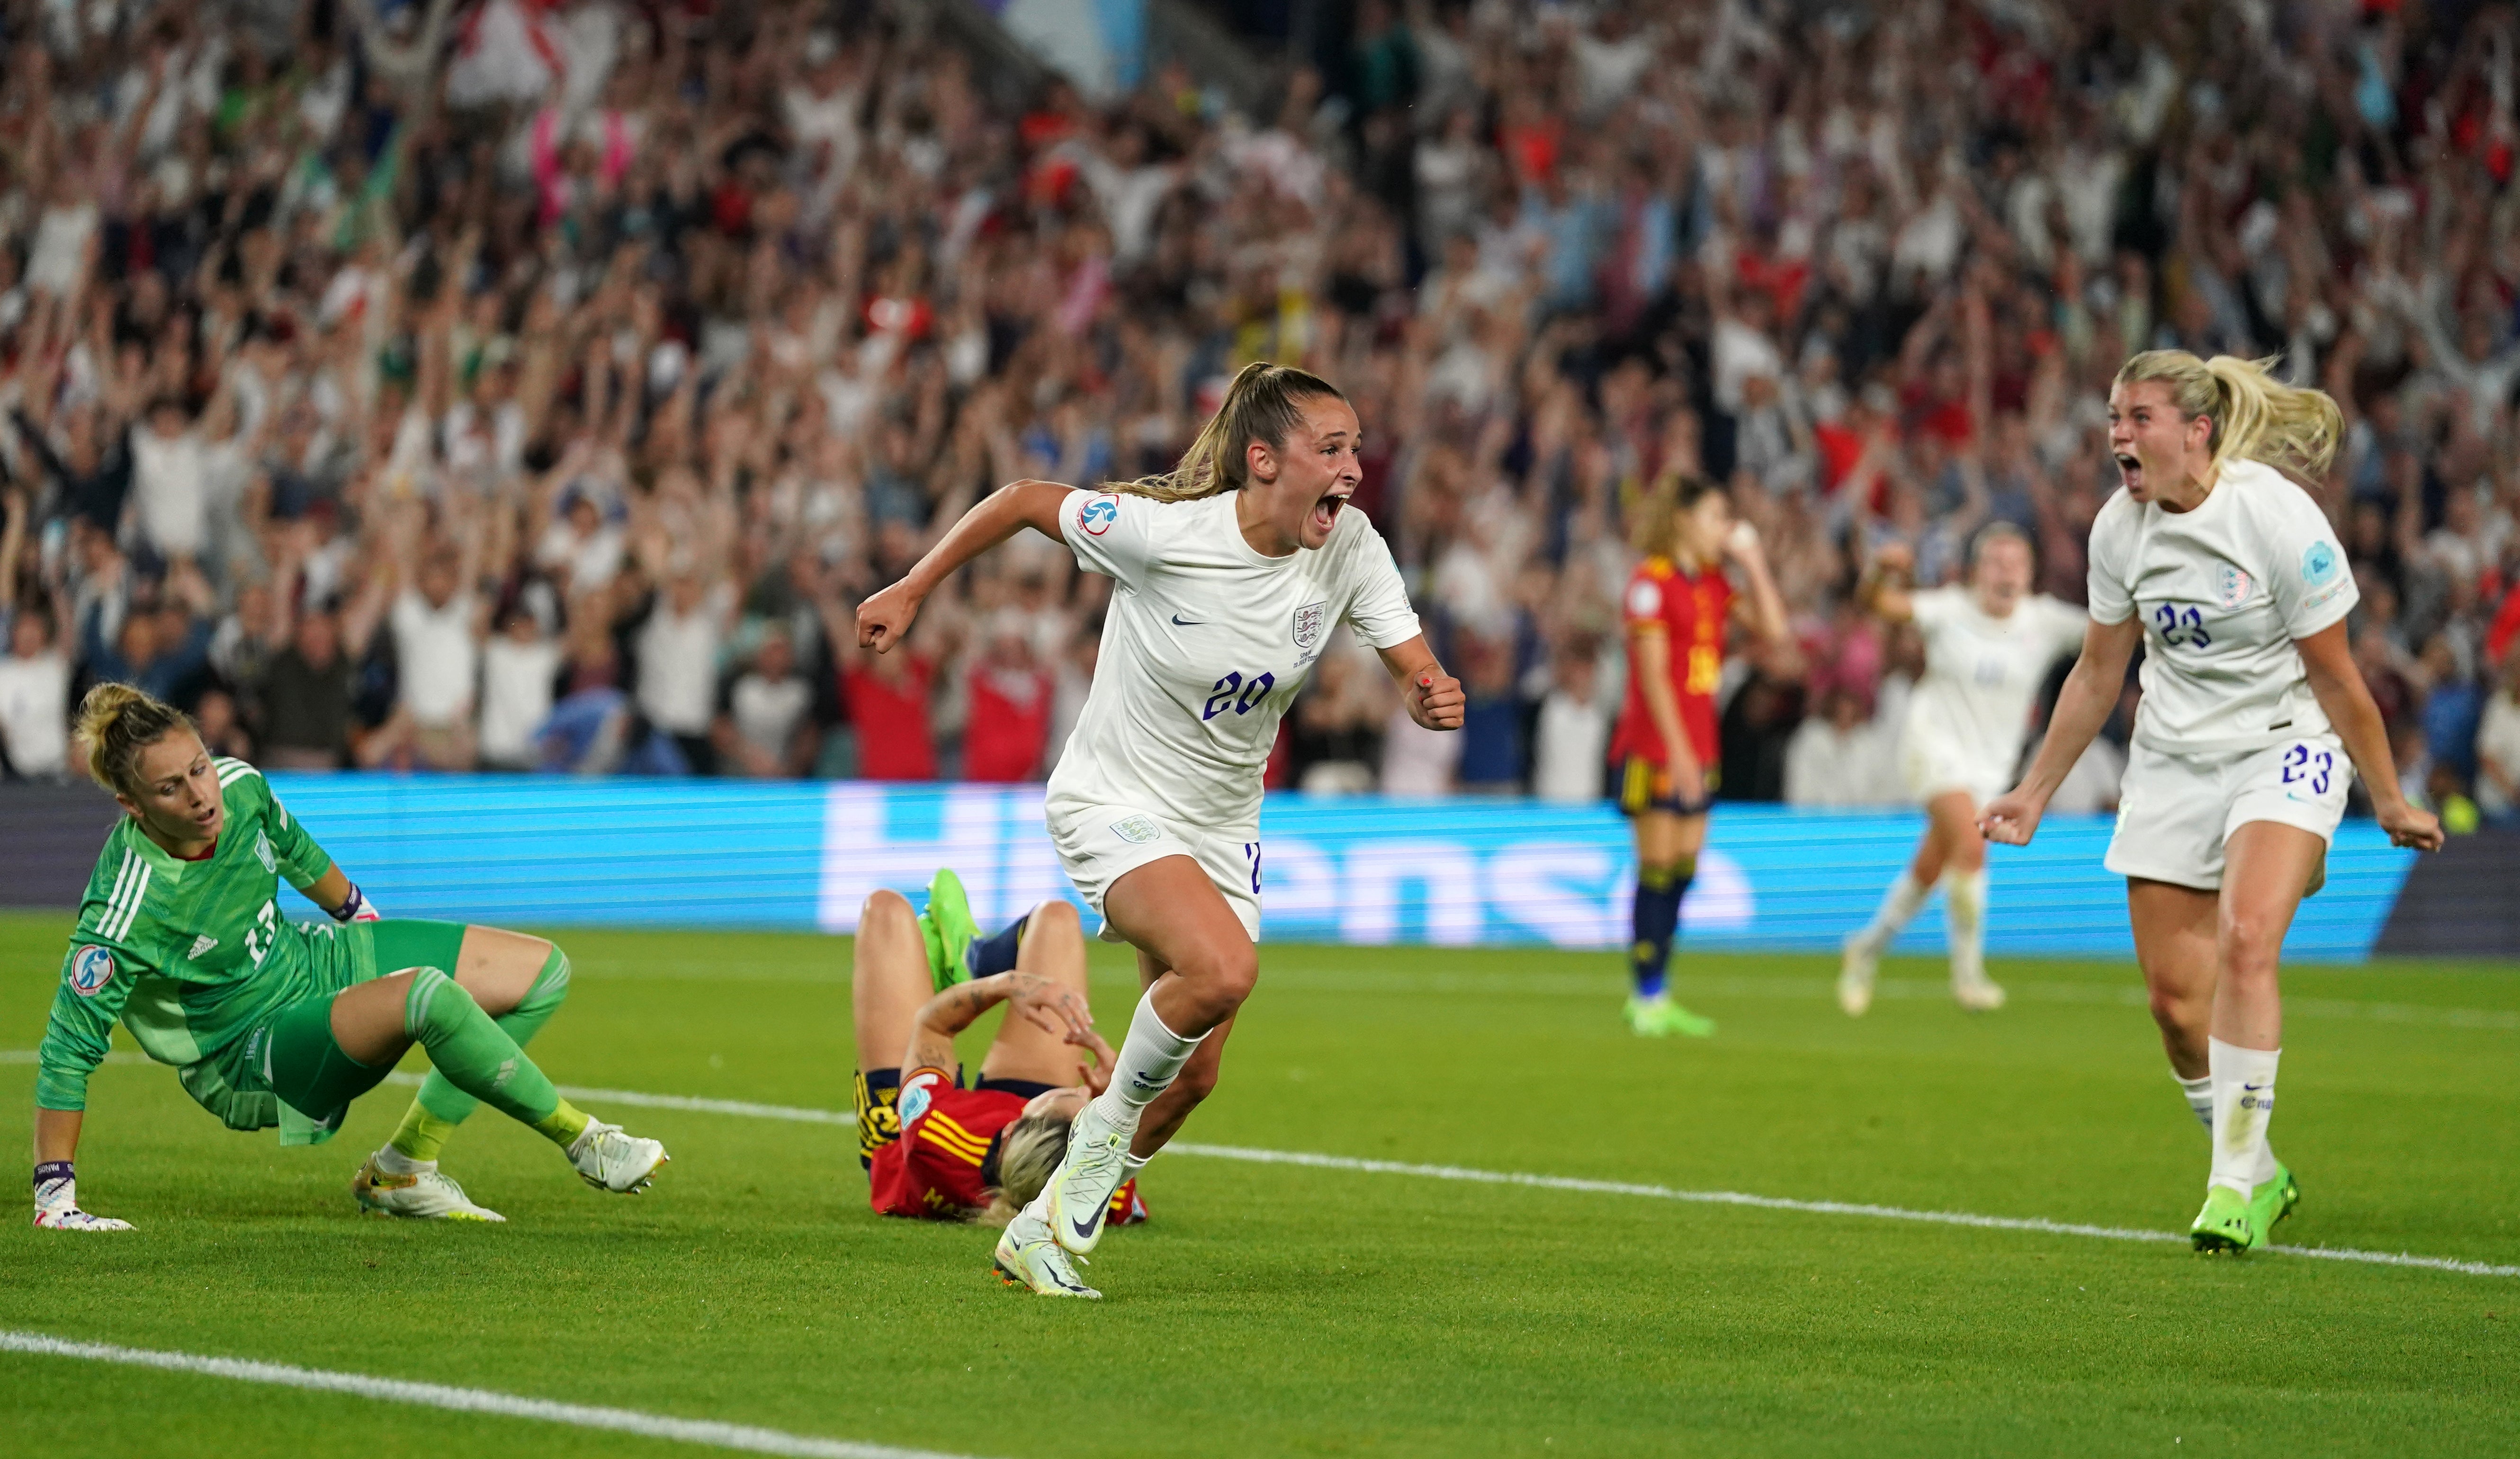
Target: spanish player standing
x: 1679, y: 608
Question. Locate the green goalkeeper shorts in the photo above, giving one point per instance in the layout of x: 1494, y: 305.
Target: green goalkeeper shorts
x: 287, y: 1069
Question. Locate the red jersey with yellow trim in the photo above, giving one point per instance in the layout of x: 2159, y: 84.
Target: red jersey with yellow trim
x: 1691, y: 610
x: 933, y: 1169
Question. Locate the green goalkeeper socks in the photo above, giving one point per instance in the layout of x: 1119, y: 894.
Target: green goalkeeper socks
x: 468, y: 1048
x: 442, y: 1104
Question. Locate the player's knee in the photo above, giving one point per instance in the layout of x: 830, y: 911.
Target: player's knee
x: 1057, y: 917
x: 1223, y: 977
x: 2251, y: 945
x: 434, y: 1004
x: 887, y: 912
x: 2177, y: 1013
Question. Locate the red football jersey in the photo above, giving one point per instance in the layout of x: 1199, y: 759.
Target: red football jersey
x: 933, y: 1169
x: 1690, y: 611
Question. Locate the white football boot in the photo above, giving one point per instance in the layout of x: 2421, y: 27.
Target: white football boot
x: 1028, y: 1257
x: 422, y: 1195
x: 1080, y: 1193
x: 1855, y: 974
x: 609, y: 1160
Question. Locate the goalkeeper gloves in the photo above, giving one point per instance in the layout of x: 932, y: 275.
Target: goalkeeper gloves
x: 57, y: 1202
x: 356, y: 907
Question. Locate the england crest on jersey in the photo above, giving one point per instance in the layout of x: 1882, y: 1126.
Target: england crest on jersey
x: 1309, y: 620
x: 262, y: 852
x: 2231, y: 585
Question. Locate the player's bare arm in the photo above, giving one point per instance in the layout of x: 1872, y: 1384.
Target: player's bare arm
x: 1038, y: 1000
x: 1763, y: 608
x: 2083, y: 706
x: 2327, y: 658
x: 1433, y: 697
x: 884, y: 618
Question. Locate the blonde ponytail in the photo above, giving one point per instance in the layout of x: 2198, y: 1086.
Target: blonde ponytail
x: 2256, y: 417
x: 1264, y: 403
x: 115, y: 722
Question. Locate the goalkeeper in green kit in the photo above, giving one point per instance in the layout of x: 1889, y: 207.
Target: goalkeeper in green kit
x: 280, y: 1023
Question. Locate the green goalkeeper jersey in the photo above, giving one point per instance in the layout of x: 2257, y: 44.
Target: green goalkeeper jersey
x: 188, y: 955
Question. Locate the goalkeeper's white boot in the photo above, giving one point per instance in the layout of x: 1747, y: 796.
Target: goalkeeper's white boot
x: 609, y: 1160
x: 1856, y: 972
x: 421, y: 1195
x: 1080, y: 1193
x: 1028, y: 1257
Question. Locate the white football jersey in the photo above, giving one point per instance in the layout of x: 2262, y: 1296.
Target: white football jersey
x: 2224, y: 590
x: 1982, y: 673
x: 1204, y: 647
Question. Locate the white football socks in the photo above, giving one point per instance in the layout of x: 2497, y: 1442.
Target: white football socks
x: 1899, y: 907
x: 2244, y: 1101
x: 1965, y: 922
x: 2200, y: 1097
x: 1150, y: 1058
x: 394, y: 1163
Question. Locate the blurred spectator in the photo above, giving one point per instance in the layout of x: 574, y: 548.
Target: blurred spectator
x: 520, y: 669
x: 887, y: 700
x: 2497, y: 749
x: 1571, y: 743
x: 222, y: 732
x: 765, y: 726
x: 306, y: 698
x: 437, y: 658
x: 1840, y: 757
x: 34, y: 697
x: 677, y: 663
x: 1010, y: 699
x: 1491, y: 758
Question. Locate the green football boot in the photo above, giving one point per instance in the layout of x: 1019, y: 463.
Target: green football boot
x: 948, y: 929
x: 2226, y: 1224
x: 2272, y: 1201
x: 1659, y: 1017
x: 2231, y: 1222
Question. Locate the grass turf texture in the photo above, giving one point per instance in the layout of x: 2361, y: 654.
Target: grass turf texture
x: 1281, y: 1310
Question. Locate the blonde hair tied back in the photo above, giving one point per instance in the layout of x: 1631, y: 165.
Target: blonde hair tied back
x: 1030, y: 1151
x: 2256, y: 417
x: 115, y: 722
x: 1263, y: 404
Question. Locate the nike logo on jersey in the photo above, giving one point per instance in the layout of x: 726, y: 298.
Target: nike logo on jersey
x: 201, y: 945
x: 1180, y: 622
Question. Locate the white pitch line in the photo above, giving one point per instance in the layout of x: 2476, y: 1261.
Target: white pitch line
x: 468, y: 1400
x: 2038, y: 1225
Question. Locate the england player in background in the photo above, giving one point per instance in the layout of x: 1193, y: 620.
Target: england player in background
x: 1229, y: 572
x: 1988, y: 648
x: 283, y: 1023
x: 2254, y: 720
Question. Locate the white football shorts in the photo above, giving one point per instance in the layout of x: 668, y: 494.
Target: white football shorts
x: 1098, y: 844
x: 1932, y: 766
x: 2175, y: 811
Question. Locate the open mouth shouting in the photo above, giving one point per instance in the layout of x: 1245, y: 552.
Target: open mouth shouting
x: 2130, y: 470
x: 1325, y: 511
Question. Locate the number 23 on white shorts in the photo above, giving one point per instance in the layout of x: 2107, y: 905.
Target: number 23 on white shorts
x: 2176, y: 811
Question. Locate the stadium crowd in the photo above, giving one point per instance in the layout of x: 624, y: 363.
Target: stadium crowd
x: 516, y: 385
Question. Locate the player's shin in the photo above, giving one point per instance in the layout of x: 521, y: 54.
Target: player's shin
x: 1150, y: 1058
x: 2244, y: 1103
x: 1899, y: 907
x: 441, y: 1105
x: 1965, y: 923
x: 1657, y: 921
x: 479, y: 1058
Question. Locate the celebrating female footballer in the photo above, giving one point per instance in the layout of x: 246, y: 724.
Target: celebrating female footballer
x: 1232, y: 571
x: 283, y: 1023
x: 1679, y: 608
x: 1988, y: 648
x: 932, y: 1148
x: 2232, y: 578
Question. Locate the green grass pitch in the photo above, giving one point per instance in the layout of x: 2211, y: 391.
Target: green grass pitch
x: 1277, y: 1311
